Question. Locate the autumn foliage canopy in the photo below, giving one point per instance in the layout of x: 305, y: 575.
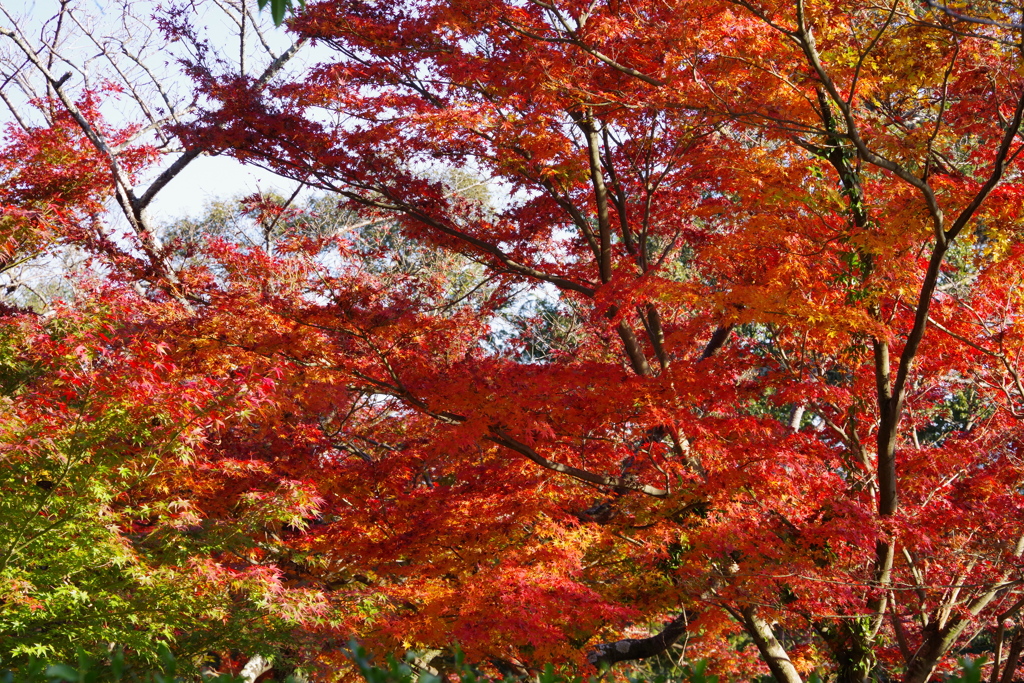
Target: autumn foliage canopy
x: 612, y: 327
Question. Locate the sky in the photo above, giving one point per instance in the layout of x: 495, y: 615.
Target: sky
x: 206, y: 179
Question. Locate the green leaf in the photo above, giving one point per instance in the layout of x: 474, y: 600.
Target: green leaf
x: 170, y: 665
x: 62, y: 672
x: 117, y: 665
x: 972, y: 670
x: 277, y: 8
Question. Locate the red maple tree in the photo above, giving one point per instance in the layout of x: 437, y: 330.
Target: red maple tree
x: 767, y: 388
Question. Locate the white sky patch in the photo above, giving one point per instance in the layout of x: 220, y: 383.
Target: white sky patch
x: 208, y: 179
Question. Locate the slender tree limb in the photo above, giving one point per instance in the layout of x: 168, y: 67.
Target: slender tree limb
x: 501, y: 438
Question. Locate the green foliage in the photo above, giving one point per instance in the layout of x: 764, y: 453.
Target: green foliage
x: 393, y: 671
x: 958, y: 413
x: 971, y: 670
x: 114, y: 668
x: 396, y: 671
x: 81, y: 564
x: 278, y: 8
x: 109, y: 669
x: 538, y: 329
x: 15, y: 370
x: 412, y: 272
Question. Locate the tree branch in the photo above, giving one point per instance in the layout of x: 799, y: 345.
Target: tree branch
x: 499, y: 437
x: 606, y: 654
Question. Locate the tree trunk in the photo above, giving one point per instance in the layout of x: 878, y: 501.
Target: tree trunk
x: 772, y: 652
